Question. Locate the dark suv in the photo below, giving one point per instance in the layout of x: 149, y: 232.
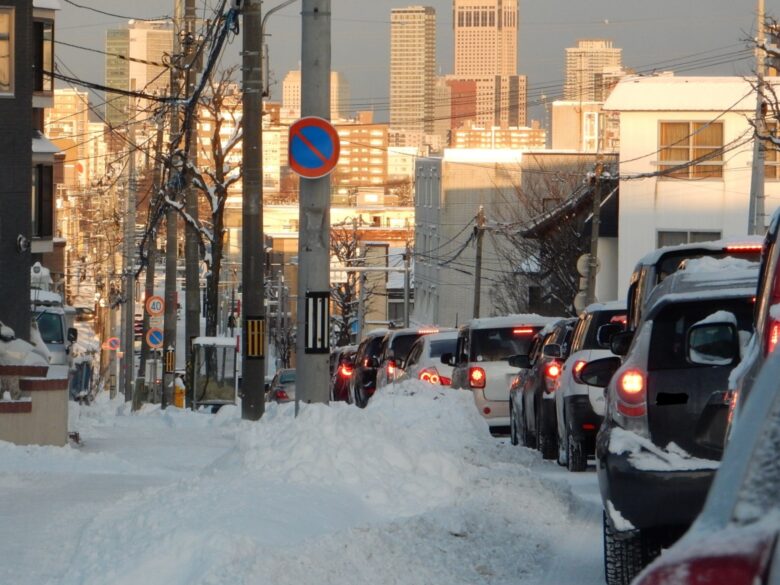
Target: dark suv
x: 666, y: 409
x: 531, y: 404
x: 362, y: 384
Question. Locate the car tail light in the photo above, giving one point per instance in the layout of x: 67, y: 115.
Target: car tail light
x: 345, y: 370
x: 477, y: 377
x: 429, y: 375
x: 523, y: 331
x: 445, y: 381
x: 744, y: 248
x: 281, y: 394
x: 576, y: 369
x: 632, y: 393
x: 552, y: 372
x: 391, y: 368
x: 773, y: 324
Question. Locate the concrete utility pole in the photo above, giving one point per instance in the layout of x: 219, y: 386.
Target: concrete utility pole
x: 128, y: 307
x: 314, y: 218
x: 595, y: 228
x: 756, y: 205
x: 171, y: 237
x: 191, y: 255
x: 479, y: 230
x: 407, y: 282
x: 253, y: 321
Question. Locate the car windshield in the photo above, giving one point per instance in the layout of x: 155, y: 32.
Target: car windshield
x: 441, y: 346
x: 491, y: 345
x: 50, y: 327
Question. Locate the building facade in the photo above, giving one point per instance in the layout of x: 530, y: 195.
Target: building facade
x: 412, y: 70
x: 591, y: 68
x: 291, y: 96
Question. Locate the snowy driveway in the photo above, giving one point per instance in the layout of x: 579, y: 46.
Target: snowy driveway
x: 411, y: 490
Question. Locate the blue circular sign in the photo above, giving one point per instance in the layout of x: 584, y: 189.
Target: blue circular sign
x: 154, y: 337
x: 314, y: 147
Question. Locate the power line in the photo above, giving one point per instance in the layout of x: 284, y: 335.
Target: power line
x: 92, y: 9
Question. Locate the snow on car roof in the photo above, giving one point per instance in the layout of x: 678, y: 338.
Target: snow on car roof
x: 606, y: 306
x: 714, y: 245
x: 513, y: 320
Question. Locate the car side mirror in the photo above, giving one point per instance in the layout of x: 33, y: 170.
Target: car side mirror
x: 519, y: 361
x: 552, y: 350
x: 606, y: 332
x: 712, y: 344
x: 448, y: 359
x: 620, y: 342
x: 598, y: 373
x: 73, y: 334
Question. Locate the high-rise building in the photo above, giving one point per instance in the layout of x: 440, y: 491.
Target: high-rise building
x: 135, y: 63
x: 412, y: 70
x: 69, y: 119
x: 485, y: 34
x: 291, y: 96
x: 589, y: 66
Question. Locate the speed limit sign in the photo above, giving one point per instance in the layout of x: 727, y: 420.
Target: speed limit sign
x: 155, y: 305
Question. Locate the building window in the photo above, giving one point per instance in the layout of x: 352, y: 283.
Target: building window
x: 772, y: 152
x: 42, y: 201
x: 677, y: 237
x: 6, y: 50
x: 43, y: 55
x: 695, y: 147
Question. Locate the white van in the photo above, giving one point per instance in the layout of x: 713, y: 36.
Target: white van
x: 480, y: 362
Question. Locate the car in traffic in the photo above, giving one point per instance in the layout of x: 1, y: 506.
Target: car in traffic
x: 395, y: 345
x: 735, y: 540
x: 480, y: 362
x: 423, y: 362
x: 666, y: 408
x: 767, y: 321
x: 282, y: 386
x: 654, y: 267
x: 579, y: 408
x: 362, y: 383
x: 531, y: 395
x: 342, y: 366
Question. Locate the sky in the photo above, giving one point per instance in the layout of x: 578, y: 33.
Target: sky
x: 660, y: 35
x: 335, y: 496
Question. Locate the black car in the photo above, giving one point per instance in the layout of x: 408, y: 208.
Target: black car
x: 532, y: 418
x: 342, y: 366
x: 666, y: 410
x: 362, y: 384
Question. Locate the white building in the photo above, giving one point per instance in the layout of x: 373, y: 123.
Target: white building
x: 291, y: 96
x: 667, y: 123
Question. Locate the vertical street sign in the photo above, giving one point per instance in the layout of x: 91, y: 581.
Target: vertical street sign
x: 255, y: 338
x: 317, y: 322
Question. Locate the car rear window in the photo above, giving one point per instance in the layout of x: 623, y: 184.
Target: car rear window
x: 670, y: 263
x: 400, y: 344
x: 670, y: 327
x: 442, y: 346
x: 498, y: 344
x: 596, y: 320
x: 287, y: 377
x: 373, y: 347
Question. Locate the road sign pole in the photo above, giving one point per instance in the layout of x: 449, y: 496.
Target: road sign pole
x: 314, y: 219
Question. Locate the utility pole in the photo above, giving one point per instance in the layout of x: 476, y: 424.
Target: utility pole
x: 191, y: 255
x: 479, y: 231
x: 171, y: 234
x: 314, y: 217
x: 595, y: 228
x: 253, y: 321
x: 407, y: 283
x: 128, y: 307
x: 756, y: 205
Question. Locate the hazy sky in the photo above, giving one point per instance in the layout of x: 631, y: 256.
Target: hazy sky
x: 683, y: 35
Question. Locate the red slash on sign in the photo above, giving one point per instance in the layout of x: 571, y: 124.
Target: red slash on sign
x: 313, y: 147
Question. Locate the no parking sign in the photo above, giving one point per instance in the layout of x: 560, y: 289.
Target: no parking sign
x: 314, y: 147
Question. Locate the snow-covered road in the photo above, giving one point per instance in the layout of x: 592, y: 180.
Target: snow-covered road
x: 410, y: 490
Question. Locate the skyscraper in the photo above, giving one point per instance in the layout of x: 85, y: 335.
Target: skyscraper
x: 588, y: 65
x: 412, y: 71
x: 142, y: 41
x: 291, y: 96
x: 485, y: 34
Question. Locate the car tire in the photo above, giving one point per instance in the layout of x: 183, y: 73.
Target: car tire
x: 513, y: 435
x: 625, y: 556
x: 529, y: 440
x: 563, y: 453
x: 576, y: 458
x: 545, y: 441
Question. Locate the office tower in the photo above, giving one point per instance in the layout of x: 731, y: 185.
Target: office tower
x: 412, y: 71
x: 291, y: 96
x: 588, y: 67
x: 150, y: 41
x: 485, y: 33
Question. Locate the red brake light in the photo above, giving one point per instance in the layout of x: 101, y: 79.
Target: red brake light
x: 631, y: 393
x: 773, y: 335
x: 576, y: 369
x: 773, y: 324
x: 744, y: 248
x: 553, y: 370
x: 445, y: 381
x: 390, y: 368
x: 429, y: 375
x: 427, y: 331
x: 345, y: 370
x: 477, y: 377
x: 281, y: 395
x: 622, y: 319
x: 523, y: 331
